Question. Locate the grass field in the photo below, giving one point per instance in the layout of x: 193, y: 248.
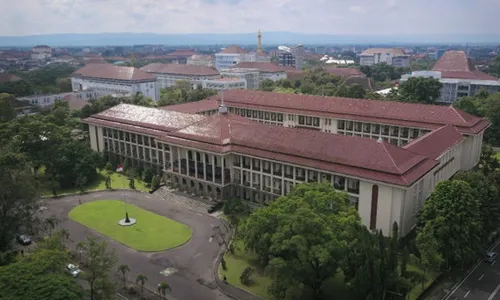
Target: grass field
x: 151, y: 233
x: 498, y: 155
x: 118, y: 181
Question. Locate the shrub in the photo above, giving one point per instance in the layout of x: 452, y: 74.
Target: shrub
x: 155, y: 182
x: 108, y: 167
x: 147, y: 175
x: 131, y: 182
x: 245, y: 277
x: 223, y: 264
x: 132, y: 291
x: 108, y: 182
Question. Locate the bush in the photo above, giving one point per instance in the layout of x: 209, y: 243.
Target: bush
x: 155, y: 182
x: 132, y: 291
x: 245, y: 277
x: 223, y: 264
x: 108, y: 167
x: 138, y: 172
x: 108, y: 182
x: 131, y: 182
x: 233, y: 207
x: 147, y: 175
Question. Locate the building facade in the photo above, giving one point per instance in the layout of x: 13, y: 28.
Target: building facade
x: 390, y: 56
x: 459, y: 77
x: 201, y: 60
x: 219, y: 154
x: 168, y: 74
x: 291, y: 56
x: 266, y: 70
x: 108, y: 79
x: 231, y: 56
x: 226, y: 83
x: 48, y: 100
x: 41, y: 52
x: 250, y: 76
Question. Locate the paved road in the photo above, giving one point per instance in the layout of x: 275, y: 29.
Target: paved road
x: 192, y: 262
x: 482, y: 283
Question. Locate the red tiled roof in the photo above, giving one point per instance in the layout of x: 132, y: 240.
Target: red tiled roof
x: 6, y: 77
x: 345, y: 72
x: 295, y: 74
x: 203, y: 105
x: 384, y: 112
x: 74, y: 102
x: 355, y: 156
x: 392, y: 51
x: 180, y: 69
x: 455, y: 64
x: 263, y: 67
x: 182, y: 52
x: 435, y: 142
x: 234, y: 50
x: 109, y: 71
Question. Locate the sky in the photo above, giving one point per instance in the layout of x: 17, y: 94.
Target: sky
x: 343, y: 17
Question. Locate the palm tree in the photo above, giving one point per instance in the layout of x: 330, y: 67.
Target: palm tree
x: 141, y: 280
x: 123, y: 269
x: 64, y: 235
x: 163, y: 288
x: 51, y: 223
x: 80, y: 247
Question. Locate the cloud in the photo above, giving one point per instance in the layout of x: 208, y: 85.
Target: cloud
x: 357, y: 9
x: 28, y: 17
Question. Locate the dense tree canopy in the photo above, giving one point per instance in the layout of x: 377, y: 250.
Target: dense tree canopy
x: 382, y: 72
x: 183, y: 92
x: 7, y: 112
x: 452, y: 216
x: 302, y: 237
x: 18, y: 196
x: 419, y: 90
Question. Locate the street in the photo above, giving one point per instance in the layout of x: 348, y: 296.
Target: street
x: 482, y: 283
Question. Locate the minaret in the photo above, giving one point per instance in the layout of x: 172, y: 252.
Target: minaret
x: 259, y: 41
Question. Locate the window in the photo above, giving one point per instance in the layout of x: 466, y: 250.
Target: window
x: 301, y: 120
x: 339, y: 183
x: 266, y: 116
x: 316, y: 122
x: 375, y: 128
x: 280, y: 117
x: 357, y: 126
x: 341, y: 124
x: 353, y: 186
x: 349, y: 125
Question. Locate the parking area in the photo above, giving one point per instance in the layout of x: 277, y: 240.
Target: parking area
x: 187, y: 269
x: 482, y: 283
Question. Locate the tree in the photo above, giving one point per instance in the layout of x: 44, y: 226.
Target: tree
x: 51, y: 223
x: 488, y: 161
x: 305, y: 231
x: 123, y: 269
x: 18, y: 196
x: 155, y: 182
x: 430, y: 258
x: 141, y: 280
x: 452, y: 217
x: 7, y: 112
x: 100, y: 262
x: 420, y: 90
x: 131, y: 181
x: 163, y: 288
x: 41, y: 275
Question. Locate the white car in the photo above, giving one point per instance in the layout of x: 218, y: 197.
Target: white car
x: 73, y: 270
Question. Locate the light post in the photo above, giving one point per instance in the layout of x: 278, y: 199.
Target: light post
x: 393, y: 293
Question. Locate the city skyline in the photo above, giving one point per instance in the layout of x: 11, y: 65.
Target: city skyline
x: 360, y: 17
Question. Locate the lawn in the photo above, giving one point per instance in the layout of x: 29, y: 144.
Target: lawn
x: 118, y: 181
x: 237, y: 262
x: 418, y: 289
x: 498, y: 155
x: 151, y: 233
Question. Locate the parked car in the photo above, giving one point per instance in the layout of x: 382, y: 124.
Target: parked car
x: 215, y: 207
x: 23, y: 239
x: 490, y: 257
x: 73, y: 270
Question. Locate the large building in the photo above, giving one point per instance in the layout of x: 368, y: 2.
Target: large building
x: 41, y: 52
x: 231, y: 56
x: 459, y: 77
x: 266, y: 70
x: 391, y: 56
x: 225, y: 83
x: 291, y: 56
x: 108, y: 79
x: 386, y: 156
x: 250, y: 76
x: 168, y: 74
x: 201, y: 60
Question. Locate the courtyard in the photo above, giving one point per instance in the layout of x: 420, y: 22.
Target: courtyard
x: 186, y: 266
x: 152, y: 232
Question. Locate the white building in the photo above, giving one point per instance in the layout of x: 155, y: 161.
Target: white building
x: 108, y: 79
x: 459, y: 77
x: 227, y: 83
x: 231, y: 56
x: 266, y: 70
x: 48, y: 100
x: 392, y: 155
x: 168, y: 74
x: 391, y: 56
x: 250, y: 76
x: 201, y: 60
x: 41, y: 52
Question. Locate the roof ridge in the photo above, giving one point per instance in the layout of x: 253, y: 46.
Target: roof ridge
x: 384, y: 146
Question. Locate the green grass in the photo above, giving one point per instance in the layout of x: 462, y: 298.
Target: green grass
x: 418, y: 288
x: 151, y: 233
x: 118, y: 181
x: 237, y: 262
x: 497, y: 155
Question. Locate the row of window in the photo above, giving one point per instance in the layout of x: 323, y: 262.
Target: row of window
x: 387, y: 130
x: 257, y: 114
x: 132, y: 138
x: 133, y: 151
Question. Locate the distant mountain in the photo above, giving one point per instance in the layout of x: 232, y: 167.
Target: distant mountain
x: 269, y: 38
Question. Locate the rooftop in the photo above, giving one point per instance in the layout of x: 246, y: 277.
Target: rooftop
x: 110, y: 71
x: 6, y: 77
x: 385, y: 112
x: 392, y: 51
x: 224, y: 133
x: 182, y: 52
x: 435, y: 142
x: 263, y: 67
x: 455, y: 64
x: 345, y: 72
x: 180, y: 69
x: 233, y: 50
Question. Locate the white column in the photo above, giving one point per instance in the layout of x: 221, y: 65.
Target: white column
x: 222, y: 170
x: 213, y: 168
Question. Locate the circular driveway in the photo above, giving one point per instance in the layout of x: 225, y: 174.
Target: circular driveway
x: 191, y: 263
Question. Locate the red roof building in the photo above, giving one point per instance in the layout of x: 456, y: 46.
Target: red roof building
x: 168, y: 74
x: 386, y: 156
